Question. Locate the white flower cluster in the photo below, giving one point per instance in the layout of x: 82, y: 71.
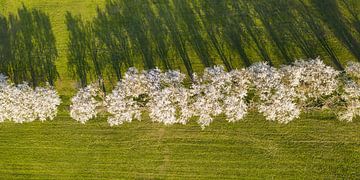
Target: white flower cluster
x: 279, y: 94
x: 208, y: 95
x: 351, y: 96
x: 353, y: 70
x: 219, y: 92
x: 235, y: 106
x: 85, y: 103
x: 282, y: 93
x: 170, y: 103
x: 280, y: 106
x: 276, y: 101
x: 265, y: 79
x: 351, y: 93
x: 126, y: 101
x: 310, y: 79
x: 21, y: 103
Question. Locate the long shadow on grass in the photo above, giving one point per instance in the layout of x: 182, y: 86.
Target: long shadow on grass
x: 318, y: 32
x: 253, y: 30
x: 353, y: 6
x: 267, y: 14
x: 331, y: 15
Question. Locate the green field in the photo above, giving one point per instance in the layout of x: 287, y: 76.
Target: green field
x: 315, y: 146
x: 56, y: 10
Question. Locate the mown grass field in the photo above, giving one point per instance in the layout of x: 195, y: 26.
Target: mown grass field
x: 315, y: 146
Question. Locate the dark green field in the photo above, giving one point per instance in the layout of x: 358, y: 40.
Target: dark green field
x: 316, y: 146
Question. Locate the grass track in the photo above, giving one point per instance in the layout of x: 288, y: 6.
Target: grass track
x: 310, y: 147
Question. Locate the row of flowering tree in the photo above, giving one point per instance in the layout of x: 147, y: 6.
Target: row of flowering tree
x: 182, y: 34
x: 279, y: 94
x: 169, y: 97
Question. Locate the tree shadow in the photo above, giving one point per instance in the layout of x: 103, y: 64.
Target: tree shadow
x: 318, y: 32
x: 233, y: 32
x: 179, y: 42
x: 193, y: 30
x: 253, y: 31
x: 330, y: 13
x: 354, y: 9
x: 5, y: 50
x: 268, y: 13
x: 211, y: 17
x: 28, y: 47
